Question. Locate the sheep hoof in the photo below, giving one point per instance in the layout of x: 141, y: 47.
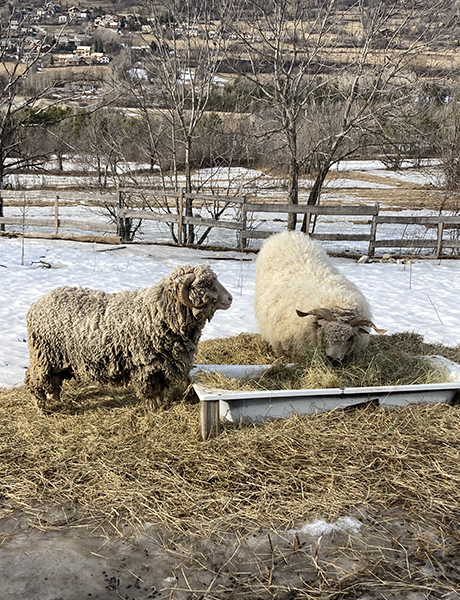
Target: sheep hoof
x: 153, y: 404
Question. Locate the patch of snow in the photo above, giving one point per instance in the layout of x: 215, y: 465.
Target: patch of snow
x: 322, y: 527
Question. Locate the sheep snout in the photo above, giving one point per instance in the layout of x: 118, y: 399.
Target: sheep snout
x: 223, y: 297
x: 335, y: 362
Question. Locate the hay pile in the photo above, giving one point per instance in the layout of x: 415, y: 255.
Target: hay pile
x: 103, y: 453
x: 389, y: 360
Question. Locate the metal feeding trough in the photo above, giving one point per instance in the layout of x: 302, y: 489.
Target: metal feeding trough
x: 264, y: 405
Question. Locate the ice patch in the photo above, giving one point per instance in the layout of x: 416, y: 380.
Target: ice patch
x: 322, y: 527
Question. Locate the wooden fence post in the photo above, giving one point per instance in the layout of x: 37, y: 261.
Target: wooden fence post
x: 439, y: 240
x: 121, y: 222
x: 2, y: 225
x: 242, y: 241
x: 181, y: 216
x: 56, y: 214
x: 307, y: 223
x: 373, y: 233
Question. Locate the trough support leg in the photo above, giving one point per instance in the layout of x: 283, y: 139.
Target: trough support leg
x: 210, y: 425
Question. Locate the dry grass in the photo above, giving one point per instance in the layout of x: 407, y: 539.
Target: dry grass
x: 402, y: 197
x: 242, y: 349
x: 390, y: 360
x: 102, y: 452
x: 224, y: 509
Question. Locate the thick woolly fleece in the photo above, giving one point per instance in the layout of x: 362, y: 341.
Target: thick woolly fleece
x: 146, y: 338
x: 293, y: 272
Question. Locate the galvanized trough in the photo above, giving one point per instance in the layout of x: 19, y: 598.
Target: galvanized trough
x: 264, y: 405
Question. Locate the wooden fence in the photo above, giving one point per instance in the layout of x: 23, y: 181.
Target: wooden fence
x: 26, y: 200
x: 123, y: 210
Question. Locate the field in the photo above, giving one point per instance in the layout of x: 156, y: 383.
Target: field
x: 102, y: 497
x: 413, y: 191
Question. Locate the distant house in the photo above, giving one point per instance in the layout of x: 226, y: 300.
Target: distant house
x: 51, y: 8
x: 77, y: 13
x: 77, y: 39
x: 100, y: 57
x: 83, y: 51
x: 67, y: 59
x: 62, y: 19
x: 109, y: 21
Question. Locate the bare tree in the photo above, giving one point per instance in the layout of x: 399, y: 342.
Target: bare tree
x: 18, y: 63
x: 334, y: 73
x: 448, y: 141
x: 27, y: 97
x: 183, y: 62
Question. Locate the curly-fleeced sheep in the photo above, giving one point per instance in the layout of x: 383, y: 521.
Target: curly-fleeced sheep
x: 295, y: 278
x: 146, y: 338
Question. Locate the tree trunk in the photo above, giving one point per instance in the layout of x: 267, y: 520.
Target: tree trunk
x: 190, y: 238
x: 315, y: 193
x: 293, y: 177
x: 293, y: 191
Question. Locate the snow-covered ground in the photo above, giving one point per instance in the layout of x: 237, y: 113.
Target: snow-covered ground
x: 421, y: 296
x: 229, y: 177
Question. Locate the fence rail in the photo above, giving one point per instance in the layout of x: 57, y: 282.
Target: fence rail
x: 60, y: 224
x: 121, y: 213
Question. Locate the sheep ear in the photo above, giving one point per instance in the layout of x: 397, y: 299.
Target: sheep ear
x: 361, y: 322
x: 376, y: 329
x: 324, y: 313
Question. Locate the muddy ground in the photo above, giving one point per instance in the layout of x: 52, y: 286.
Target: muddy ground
x: 53, y: 555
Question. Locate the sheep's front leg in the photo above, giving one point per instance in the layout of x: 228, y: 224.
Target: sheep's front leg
x: 54, y: 390
x: 44, y: 385
x: 151, y: 389
x: 155, y: 402
x: 52, y: 393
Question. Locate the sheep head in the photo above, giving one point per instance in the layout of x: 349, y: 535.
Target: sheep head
x: 337, y: 331
x: 199, y: 289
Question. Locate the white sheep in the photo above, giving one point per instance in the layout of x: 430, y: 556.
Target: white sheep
x: 302, y: 300
x: 147, y: 338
